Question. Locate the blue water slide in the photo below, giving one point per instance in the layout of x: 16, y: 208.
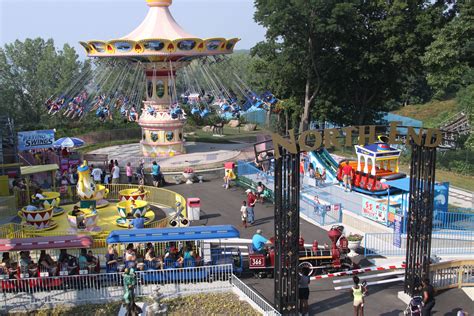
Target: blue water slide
x: 322, y: 159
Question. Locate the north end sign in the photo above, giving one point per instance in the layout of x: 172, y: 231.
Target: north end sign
x: 311, y: 140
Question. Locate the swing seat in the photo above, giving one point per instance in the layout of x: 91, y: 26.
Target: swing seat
x: 225, y: 107
x: 259, y: 104
x: 205, y: 113
x: 195, y: 111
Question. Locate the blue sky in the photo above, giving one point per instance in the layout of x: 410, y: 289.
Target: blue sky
x: 70, y: 21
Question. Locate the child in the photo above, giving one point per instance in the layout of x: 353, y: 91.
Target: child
x: 226, y: 179
x: 260, y: 192
x: 243, y: 211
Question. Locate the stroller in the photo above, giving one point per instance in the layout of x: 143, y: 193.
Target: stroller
x: 414, y: 307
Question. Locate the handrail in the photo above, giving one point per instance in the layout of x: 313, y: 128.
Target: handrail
x: 261, y: 303
x: 452, y: 274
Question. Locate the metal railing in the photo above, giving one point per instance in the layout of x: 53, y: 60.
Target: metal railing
x: 452, y: 274
x: 322, y: 214
x: 258, y: 302
x: 106, y: 287
x: 454, y: 221
x: 249, y: 170
x: 248, y: 176
x: 442, y: 243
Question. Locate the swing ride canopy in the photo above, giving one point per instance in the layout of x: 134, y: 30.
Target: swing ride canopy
x: 159, y: 37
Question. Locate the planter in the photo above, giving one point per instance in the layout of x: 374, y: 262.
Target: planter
x: 353, y: 246
x: 188, y: 177
x: 177, y: 179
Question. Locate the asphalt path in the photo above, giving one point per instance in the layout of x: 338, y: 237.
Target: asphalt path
x: 220, y: 206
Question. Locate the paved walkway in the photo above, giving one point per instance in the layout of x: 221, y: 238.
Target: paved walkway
x: 220, y: 206
x: 200, y: 156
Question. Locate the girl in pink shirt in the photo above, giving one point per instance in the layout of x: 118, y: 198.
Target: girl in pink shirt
x: 129, y: 172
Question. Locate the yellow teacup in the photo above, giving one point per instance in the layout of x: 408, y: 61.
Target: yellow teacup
x: 51, y: 199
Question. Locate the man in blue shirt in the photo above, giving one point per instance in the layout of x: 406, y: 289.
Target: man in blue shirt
x: 137, y: 222
x: 156, y: 174
x: 258, y: 242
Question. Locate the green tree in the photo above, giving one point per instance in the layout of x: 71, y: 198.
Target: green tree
x: 345, y: 60
x: 30, y: 73
x: 449, y: 58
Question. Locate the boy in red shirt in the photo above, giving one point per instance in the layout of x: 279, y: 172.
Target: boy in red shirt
x: 347, y: 176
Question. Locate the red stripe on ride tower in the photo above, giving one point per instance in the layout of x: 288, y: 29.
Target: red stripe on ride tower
x: 159, y: 73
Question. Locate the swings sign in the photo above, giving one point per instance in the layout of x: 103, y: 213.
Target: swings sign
x: 311, y: 140
x: 35, y: 140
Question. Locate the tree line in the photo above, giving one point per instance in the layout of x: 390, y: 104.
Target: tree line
x: 327, y: 60
x: 347, y: 61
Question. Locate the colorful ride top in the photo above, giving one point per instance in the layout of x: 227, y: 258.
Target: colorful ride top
x: 378, y: 153
x: 376, y: 163
x: 162, y: 46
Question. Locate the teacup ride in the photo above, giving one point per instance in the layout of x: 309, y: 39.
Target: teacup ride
x: 37, y: 220
x: 128, y: 209
x: 51, y: 199
x: 89, y: 218
x: 133, y: 194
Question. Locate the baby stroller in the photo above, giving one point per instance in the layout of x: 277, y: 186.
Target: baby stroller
x: 414, y: 307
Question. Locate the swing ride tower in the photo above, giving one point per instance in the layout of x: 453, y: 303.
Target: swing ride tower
x: 162, y: 47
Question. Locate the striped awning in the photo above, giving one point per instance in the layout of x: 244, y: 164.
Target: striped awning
x: 42, y: 243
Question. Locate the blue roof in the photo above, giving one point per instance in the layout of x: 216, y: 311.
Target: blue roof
x: 172, y: 234
x: 402, y: 184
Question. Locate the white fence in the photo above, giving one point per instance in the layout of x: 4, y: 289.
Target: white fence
x: 254, y: 299
x: 96, y: 288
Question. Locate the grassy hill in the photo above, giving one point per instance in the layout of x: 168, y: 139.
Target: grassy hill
x: 432, y: 114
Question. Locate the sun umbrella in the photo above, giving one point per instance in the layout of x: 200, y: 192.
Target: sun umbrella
x: 68, y: 142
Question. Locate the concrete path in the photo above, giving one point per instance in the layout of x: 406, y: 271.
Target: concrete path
x: 461, y: 198
x: 199, y: 156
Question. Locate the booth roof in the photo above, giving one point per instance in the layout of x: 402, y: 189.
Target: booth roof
x: 26, y: 170
x: 402, y: 184
x: 43, y: 243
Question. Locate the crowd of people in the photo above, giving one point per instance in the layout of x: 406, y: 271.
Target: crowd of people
x: 25, y: 265
x: 103, y: 105
x: 138, y: 258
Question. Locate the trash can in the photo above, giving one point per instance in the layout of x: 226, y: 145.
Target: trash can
x: 194, y: 209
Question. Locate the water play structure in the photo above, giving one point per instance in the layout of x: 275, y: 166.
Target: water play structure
x: 375, y: 165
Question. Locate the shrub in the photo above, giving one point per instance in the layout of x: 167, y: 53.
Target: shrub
x: 354, y: 237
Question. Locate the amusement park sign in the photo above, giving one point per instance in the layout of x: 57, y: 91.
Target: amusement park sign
x: 35, y: 140
x: 314, y: 139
